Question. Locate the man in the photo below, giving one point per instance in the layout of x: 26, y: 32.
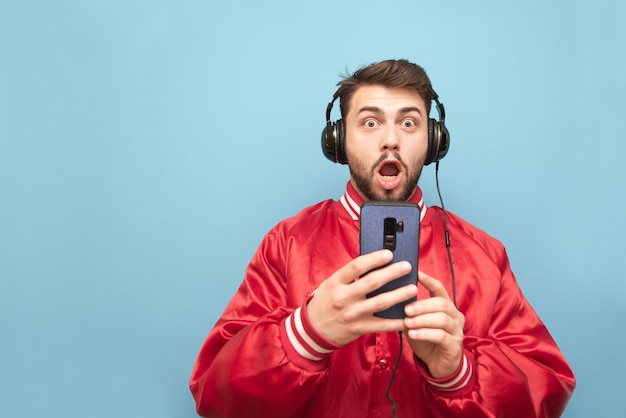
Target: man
x: 300, y: 339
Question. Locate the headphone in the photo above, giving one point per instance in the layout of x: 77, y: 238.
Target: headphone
x: 334, y: 136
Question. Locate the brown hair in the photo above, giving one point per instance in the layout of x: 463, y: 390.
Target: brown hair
x: 389, y: 73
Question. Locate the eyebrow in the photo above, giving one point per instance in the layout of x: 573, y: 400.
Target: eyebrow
x: 378, y: 110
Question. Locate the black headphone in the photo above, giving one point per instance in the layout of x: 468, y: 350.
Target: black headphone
x: 334, y: 136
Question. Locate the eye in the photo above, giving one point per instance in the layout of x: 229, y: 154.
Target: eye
x: 370, y: 123
x: 408, y: 123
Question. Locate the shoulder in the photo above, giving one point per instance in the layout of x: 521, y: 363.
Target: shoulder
x: 308, y: 218
x: 294, y: 239
x: 460, y: 228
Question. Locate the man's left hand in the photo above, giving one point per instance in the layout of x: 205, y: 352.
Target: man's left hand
x: 434, y: 329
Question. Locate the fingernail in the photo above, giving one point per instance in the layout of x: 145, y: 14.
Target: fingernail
x: 411, y: 290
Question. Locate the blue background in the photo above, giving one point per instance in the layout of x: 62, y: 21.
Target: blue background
x: 147, y: 146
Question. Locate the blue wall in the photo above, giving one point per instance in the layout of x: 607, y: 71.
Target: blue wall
x: 147, y: 146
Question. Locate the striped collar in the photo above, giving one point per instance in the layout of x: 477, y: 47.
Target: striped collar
x: 352, y: 201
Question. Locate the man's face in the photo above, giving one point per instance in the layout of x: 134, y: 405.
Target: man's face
x: 386, y: 141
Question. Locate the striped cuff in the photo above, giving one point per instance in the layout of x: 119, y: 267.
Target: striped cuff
x: 307, y: 342
x: 457, y: 380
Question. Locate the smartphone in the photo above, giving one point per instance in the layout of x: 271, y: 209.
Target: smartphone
x: 394, y: 226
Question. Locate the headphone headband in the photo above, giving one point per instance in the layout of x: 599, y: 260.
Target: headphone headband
x: 329, y: 108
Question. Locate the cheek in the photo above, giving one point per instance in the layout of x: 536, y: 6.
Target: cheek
x: 359, y: 149
x: 416, y: 149
x: 416, y: 155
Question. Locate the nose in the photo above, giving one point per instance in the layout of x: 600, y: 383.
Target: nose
x: 390, y: 140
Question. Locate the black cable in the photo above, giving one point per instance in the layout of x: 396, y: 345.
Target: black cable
x: 393, y: 374
x: 447, y: 234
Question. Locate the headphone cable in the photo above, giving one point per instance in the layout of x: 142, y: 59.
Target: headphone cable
x: 393, y: 375
x: 447, y: 234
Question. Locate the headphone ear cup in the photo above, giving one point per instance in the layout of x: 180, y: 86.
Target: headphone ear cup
x: 444, y: 143
x: 342, y: 157
x: 333, y: 142
x: 438, y: 141
x: 329, y: 144
x: 431, y: 152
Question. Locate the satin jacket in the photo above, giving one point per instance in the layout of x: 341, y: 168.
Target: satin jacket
x: 261, y: 359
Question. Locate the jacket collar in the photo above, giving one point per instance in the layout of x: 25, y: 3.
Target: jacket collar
x: 352, y: 201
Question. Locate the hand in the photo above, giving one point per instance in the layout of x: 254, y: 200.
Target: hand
x: 340, y: 310
x: 434, y: 329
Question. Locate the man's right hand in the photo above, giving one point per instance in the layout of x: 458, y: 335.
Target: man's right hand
x: 340, y: 310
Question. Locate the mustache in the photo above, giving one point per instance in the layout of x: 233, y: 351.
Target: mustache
x: 385, y: 156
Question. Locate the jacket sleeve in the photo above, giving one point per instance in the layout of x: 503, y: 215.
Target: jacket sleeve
x: 517, y: 368
x: 248, y: 354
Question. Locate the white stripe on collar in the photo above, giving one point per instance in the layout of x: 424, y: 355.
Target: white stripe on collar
x: 354, y: 210
x: 351, y: 206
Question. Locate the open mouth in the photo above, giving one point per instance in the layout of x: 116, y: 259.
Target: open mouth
x: 389, y: 170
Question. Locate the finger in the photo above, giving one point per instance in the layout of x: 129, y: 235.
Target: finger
x: 434, y: 286
x: 386, y: 300
x: 375, y: 324
x: 376, y: 278
x: 435, y: 320
x: 431, y: 306
x: 361, y: 265
x: 431, y: 335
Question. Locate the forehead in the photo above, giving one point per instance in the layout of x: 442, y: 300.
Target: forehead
x: 389, y: 99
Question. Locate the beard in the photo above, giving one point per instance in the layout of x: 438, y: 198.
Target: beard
x: 363, y: 178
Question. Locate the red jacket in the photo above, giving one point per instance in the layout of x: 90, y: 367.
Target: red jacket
x: 256, y: 361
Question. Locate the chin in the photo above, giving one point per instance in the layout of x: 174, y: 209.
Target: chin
x: 399, y: 194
